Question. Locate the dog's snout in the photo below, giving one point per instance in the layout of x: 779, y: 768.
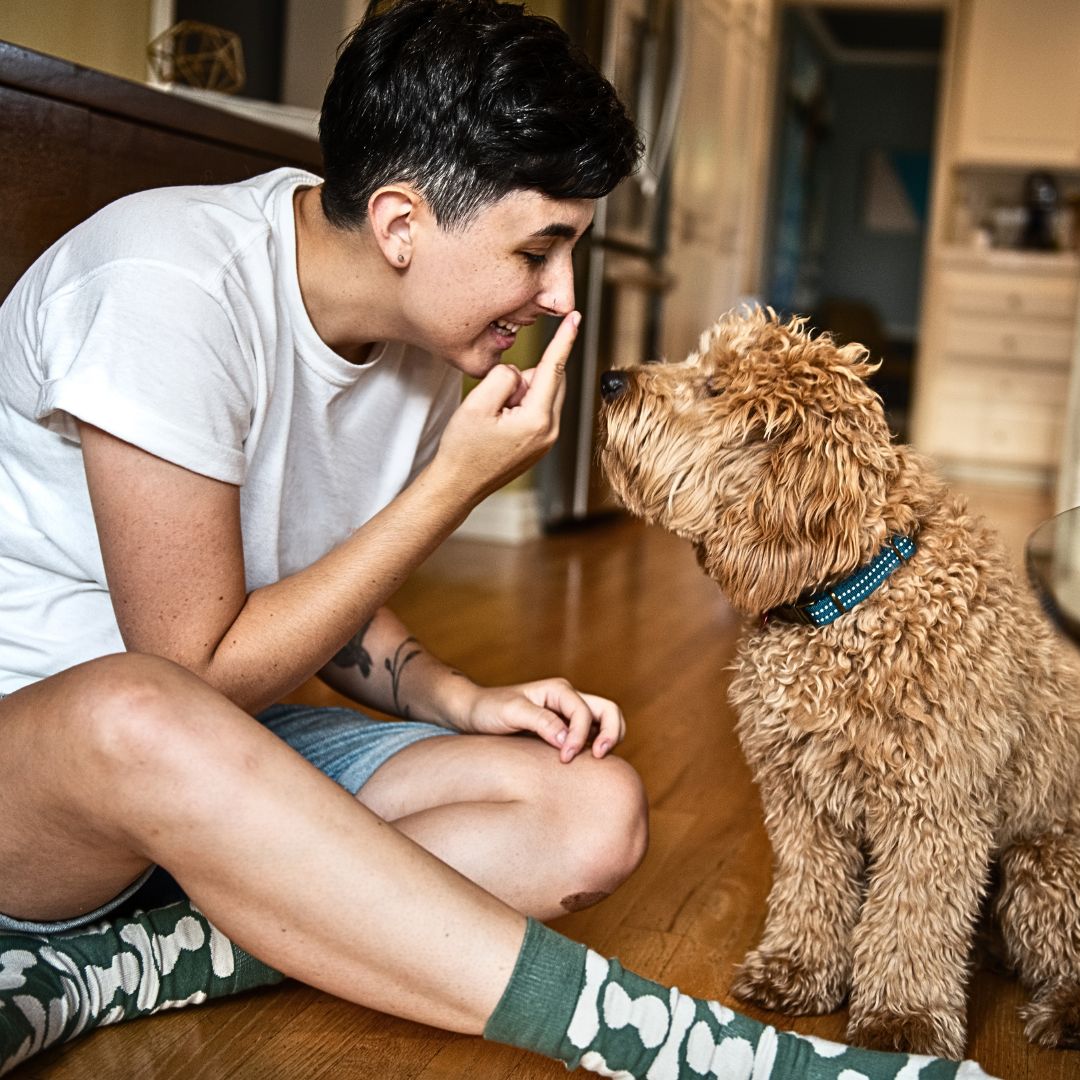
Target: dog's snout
x: 612, y: 384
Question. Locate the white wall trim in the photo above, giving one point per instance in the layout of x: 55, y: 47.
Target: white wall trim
x: 162, y: 16
x: 507, y: 517
x: 1028, y: 477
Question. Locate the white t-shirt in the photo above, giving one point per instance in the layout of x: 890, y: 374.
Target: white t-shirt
x: 173, y: 319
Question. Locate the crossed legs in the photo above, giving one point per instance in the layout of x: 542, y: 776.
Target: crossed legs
x: 130, y: 760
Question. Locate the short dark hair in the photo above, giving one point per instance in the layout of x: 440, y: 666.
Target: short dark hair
x: 468, y: 100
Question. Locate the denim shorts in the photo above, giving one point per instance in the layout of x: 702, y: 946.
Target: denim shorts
x: 344, y: 744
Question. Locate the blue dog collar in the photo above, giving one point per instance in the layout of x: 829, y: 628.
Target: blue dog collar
x: 828, y: 605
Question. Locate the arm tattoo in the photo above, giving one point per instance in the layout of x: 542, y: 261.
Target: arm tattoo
x: 353, y: 654
x: 397, y: 666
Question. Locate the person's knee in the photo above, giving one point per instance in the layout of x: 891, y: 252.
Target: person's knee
x: 611, y: 829
x: 163, y: 744
x: 134, y: 712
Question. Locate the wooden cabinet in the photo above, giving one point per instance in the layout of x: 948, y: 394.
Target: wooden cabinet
x: 994, y: 362
x: 1020, y: 83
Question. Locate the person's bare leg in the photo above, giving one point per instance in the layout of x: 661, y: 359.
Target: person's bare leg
x: 130, y: 760
x: 544, y: 836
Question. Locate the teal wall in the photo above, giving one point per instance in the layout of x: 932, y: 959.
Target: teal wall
x: 877, y: 108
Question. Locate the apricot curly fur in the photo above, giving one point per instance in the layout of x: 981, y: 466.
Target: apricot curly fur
x: 903, y: 749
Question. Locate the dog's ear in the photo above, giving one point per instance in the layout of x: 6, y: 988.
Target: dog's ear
x: 818, y: 509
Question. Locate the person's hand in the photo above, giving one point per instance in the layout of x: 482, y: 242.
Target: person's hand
x: 550, y: 708
x: 509, y: 420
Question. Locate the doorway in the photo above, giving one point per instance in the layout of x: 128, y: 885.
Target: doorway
x: 857, y: 104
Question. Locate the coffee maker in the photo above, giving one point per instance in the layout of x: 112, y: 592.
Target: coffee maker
x: 1042, y: 204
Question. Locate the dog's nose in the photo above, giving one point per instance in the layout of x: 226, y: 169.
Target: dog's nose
x: 612, y: 384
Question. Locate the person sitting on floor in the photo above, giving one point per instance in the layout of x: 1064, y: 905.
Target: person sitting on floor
x: 230, y: 426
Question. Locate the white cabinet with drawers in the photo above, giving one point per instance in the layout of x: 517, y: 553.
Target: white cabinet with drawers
x: 994, y: 362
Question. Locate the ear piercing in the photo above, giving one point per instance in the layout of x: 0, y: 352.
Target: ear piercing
x: 401, y: 258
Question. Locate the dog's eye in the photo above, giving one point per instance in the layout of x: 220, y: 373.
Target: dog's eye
x: 713, y: 387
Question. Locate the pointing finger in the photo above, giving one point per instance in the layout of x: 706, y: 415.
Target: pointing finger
x: 549, y: 382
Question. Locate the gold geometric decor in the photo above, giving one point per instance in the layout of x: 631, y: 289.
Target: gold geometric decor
x: 198, y: 54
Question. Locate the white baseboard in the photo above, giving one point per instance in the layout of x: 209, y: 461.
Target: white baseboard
x: 1028, y: 477
x: 507, y: 517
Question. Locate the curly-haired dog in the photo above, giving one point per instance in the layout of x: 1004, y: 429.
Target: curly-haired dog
x: 907, y: 714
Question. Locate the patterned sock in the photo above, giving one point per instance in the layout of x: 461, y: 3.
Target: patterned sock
x: 54, y: 987
x: 567, y: 1002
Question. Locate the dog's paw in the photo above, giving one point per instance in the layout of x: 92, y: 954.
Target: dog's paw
x: 939, y: 1033
x: 783, y: 984
x: 1052, y: 1017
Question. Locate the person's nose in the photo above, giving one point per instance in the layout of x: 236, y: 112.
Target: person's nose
x: 558, y: 293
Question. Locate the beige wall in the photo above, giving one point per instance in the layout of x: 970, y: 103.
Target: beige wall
x: 111, y: 36
x: 553, y: 9
x: 313, y: 31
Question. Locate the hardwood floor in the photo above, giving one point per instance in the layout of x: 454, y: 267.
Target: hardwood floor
x: 624, y: 611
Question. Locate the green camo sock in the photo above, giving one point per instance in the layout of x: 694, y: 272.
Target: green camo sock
x: 568, y: 1002
x: 54, y: 987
